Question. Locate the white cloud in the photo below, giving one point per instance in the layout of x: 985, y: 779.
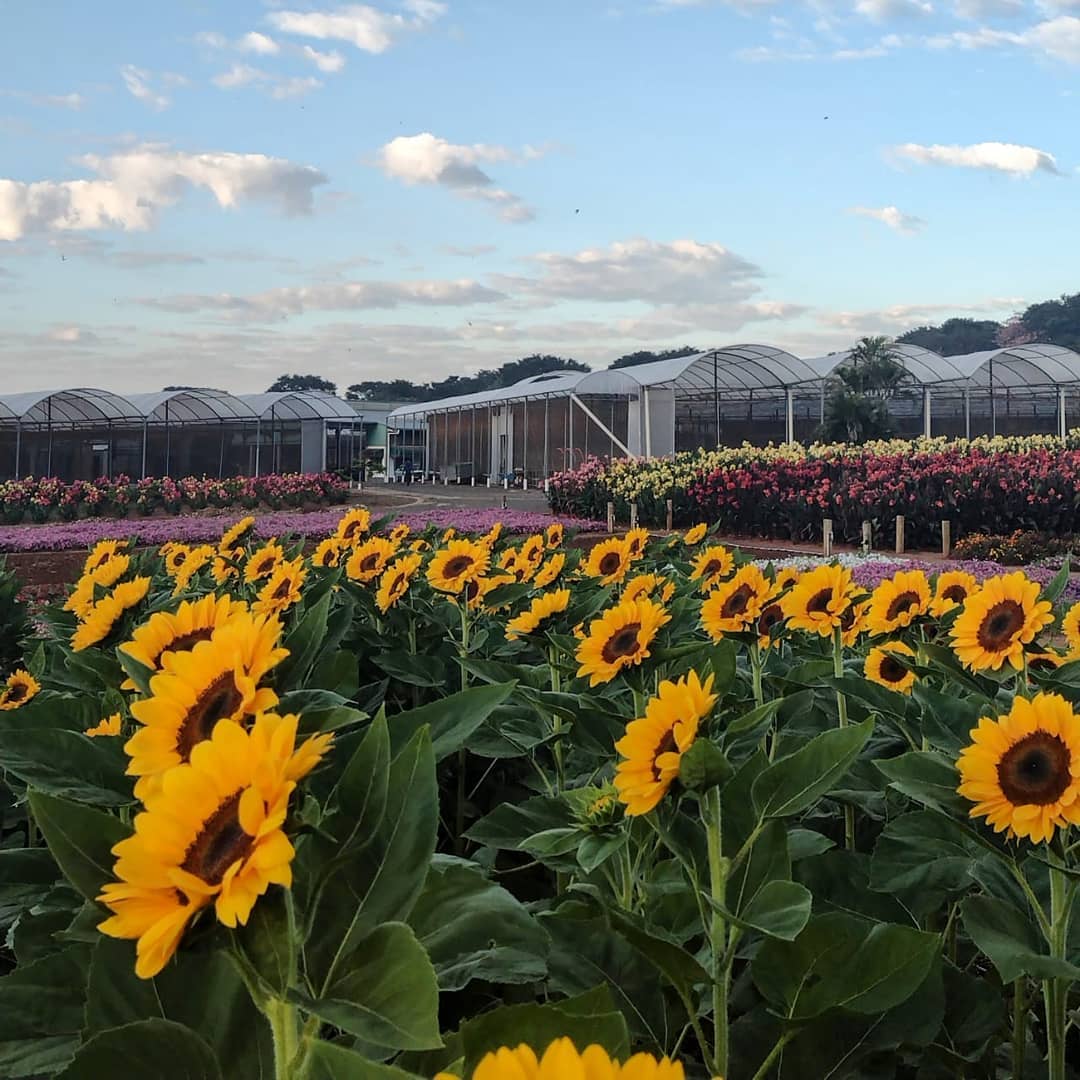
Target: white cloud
x: 138, y: 82
x: 68, y: 335
x: 127, y: 189
x: 275, y: 305
x: 211, y: 39
x: 995, y: 156
x: 891, y: 216
x: 62, y: 101
x: 470, y: 251
x: 901, y: 317
x: 428, y: 159
x: 881, y: 10
x: 324, y: 61
x: 294, y: 87
x: 254, y: 42
x: 239, y: 75
x: 360, y: 25
x: 989, y: 9
x: 1058, y: 38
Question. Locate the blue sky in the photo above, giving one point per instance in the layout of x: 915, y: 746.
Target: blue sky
x: 216, y: 193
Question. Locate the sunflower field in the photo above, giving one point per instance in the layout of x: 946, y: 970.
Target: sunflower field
x: 400, y: 806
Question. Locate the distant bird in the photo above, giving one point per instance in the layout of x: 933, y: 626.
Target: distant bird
x: 826, y: 118
x: 577, y: 211
x: 63, y: 258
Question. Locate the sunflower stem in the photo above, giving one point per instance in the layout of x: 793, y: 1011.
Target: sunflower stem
x: 718, y: 873
x: 1019, y: 1028
x: 756, y: 667
x: 556, y: 720
x: 284, y: 1023
x: 1055, y: 991
x: 459, y: 821
x: 841, y: 708
x: 774, y: 1053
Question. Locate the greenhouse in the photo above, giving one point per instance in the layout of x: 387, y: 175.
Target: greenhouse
x: 83, y: 434
x: 723, y: 397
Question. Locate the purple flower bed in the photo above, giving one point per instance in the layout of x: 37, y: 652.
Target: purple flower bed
x: 204, y: 528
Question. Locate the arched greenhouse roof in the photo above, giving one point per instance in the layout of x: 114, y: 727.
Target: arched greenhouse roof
x: 552, y: 384
x: 192, y: 406
x: 925, y: 366
x: 733, y: 368
x: 299, y: 405
x: 79, y: 406
x: 1019, y: 366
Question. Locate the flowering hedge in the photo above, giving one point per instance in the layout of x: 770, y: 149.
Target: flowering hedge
x: 39, y: 499
x: 982, y: 485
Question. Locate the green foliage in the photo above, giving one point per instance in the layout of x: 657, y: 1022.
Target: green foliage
x: 855, y: 410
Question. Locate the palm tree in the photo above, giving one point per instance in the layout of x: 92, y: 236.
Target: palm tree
x: 856, y: 411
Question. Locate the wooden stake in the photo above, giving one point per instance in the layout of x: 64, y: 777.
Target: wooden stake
x: 670, y: 514
x: 867, y: 537
x: 610, y: 517
x: 946, y: 538
x: 633, y: 515
x: 826, y: 537
x: 899, y: 534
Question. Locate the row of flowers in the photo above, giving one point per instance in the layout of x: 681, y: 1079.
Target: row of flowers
x: 983, y: 485
x: 40, y: 499
x: 498, y: 807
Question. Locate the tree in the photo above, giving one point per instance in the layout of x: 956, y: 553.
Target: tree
x: 954, y: 337
x: 855, y: 411
x: 1054, y: 322
x: 288, y: 383
x: 391, y: 390
x: 643, y: 356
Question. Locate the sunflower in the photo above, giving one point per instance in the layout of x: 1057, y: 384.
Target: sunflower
x: 996, y: 622
x: 1044, y: 660
x: 102, y: 552
x: 654, y: 743
x: 174, y: 556
x: 19, y: 688
x: 711, y: 565
x: 448, y: 535
x: 786, y: 576
x: 101, y: 618
x: 181, y: 630
x: 772, y: 616
x: 532, y: 550
x: 883, y: 667
x: 609, y: 560
x: 419, y: 545
x: 562, y: 1061
x: 897, y: 601
x: 550, y: 570
x: 1070, y: 627
x: 493, y: 534
x: 222, y: 570
x: 262, y: 563
x: 369, y: 559
x: 736, y: 604
x: 553, y: 535
x: 106, y: 575
x: 817, y: 602
x: 642, y: 585
x: 456, y: 564
x: 328, y: 552
x: 475, y: 592
x: 543, y: 607
x: 399, y: 533
x: 394, y: 583
x: 353, y: 525
x: 635, y: 541
x: 1022, y: 770
x: 216, y: 680
x: 855, y: 620
x: 111, y: 725
x: 620, y: 637
x: 282, y: 590
x: 693, y: 536
x: 212, y: 832
x: 196, y: 559
x: 234, y: 535
x: 951, y: 590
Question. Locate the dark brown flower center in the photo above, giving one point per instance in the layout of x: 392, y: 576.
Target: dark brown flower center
x: 770, y: 617
x: 610, y: 563
x: 901, y: 604
x: 369, y: 562
x: 1041, y: 663
x: 1035, y: 771
x: 892, y: 670
x: 819, y: 602
x: 457, y: 566
x: 16, y: 693
x: 187, y: 642
x: 622, y: 643
x: 266, y: 565
x: 282, y: 591
x: 667, y: 746
x: 713, y: 566
x: 635, y: 545
x: 350, y: 530
x: 736, y: 603
x: 472, y: 590
x: 956, y: 593
x: 217, y: 702
x: 221, y: 841
x: 1000, y: 625
x: 397, y: 585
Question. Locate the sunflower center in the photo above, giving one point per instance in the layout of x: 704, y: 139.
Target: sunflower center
x: 221, y: 841
x: 956, y: 593
x: 16, y: 692
x: 472, y: 590
x: 397, y: 585
x: 1041, y: 663
x: 350, y: 530
x: 901, y: 604
x: 1000, y: 625
x: 369, y: 562
x: 819, y: 602
x: 282, y: 591
x: 187, y: 642
x: 265, y: 566
x: 736, y: 603
x: 892, y: 670
x: 457, y: 566
x: 667, y: 745
x: 769, y: 618
x: 1035, y: 770
x: 609, y: 563
x: 623, y: 643
x: 713, y: 566
x: 217, y: 702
